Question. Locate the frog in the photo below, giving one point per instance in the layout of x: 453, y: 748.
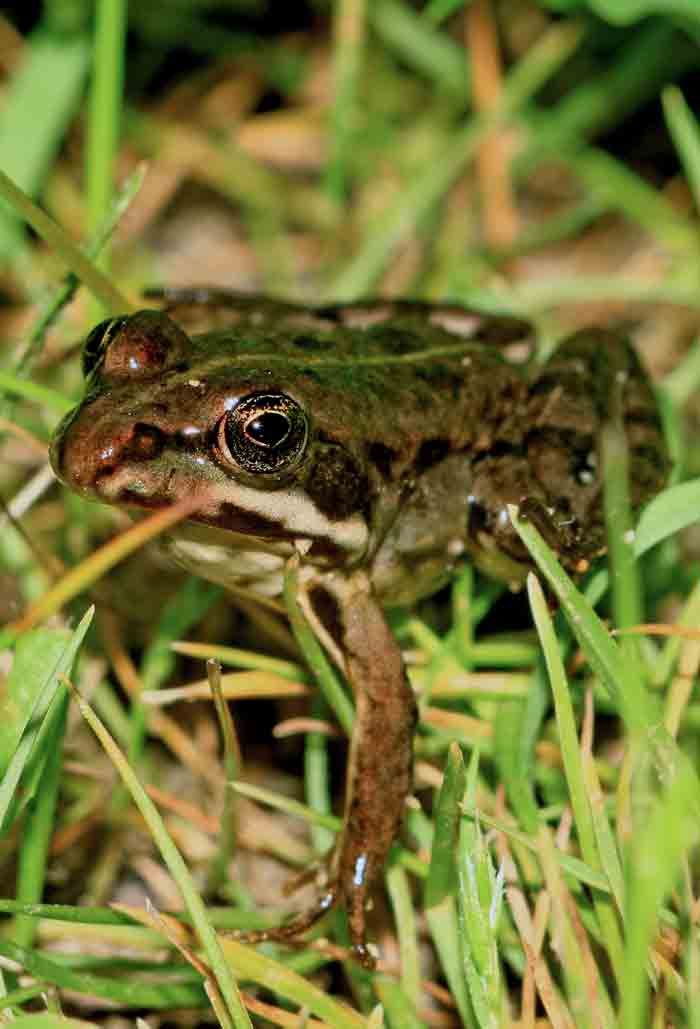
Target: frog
x: 374, y: 446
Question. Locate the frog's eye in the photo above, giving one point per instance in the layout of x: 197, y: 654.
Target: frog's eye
x: 97, y: 342
x: 264, y: 432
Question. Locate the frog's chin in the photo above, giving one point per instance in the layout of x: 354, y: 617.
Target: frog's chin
x: 241, y: 564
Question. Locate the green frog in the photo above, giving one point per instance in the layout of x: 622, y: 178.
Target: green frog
x: 376, y: 444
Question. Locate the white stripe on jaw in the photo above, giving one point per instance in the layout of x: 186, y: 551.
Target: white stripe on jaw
x: 292, y: 510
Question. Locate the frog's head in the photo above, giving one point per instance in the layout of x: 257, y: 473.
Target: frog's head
x: 166, y: 417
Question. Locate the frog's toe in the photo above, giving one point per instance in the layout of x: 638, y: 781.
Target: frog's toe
x: 297, y: 925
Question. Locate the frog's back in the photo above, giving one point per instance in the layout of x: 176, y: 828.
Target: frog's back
x: 398, y: 384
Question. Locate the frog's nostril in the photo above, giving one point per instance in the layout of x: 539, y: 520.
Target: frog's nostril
x: 146, y: 443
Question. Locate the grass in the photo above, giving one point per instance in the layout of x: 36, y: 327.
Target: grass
x: 549, y: 875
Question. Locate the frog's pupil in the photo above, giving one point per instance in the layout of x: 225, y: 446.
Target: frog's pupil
x: 268, y: 429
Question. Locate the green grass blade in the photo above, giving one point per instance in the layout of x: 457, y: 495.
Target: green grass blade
x: 429, y: 51
x: 328, y: 681
x: 38, y: 827
x: 42, y: 709
x: 349, y: 31
x: 441, y: 874
x: 49, y: 57
x: 43, y: 395
x: 104, y: 109
x: 669, y: 512
x: 178, y: 870
x: 406, y: 931
x: 602, y: 652
x: 654, y: 865
x: 60, y: 241
x: 124, y: 992
x: 398, y: 1008
x: 573, y: 765
x: 685, y: 132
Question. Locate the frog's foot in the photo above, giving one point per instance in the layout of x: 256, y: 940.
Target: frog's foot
x: 563, y: 534
x: 299, y: 924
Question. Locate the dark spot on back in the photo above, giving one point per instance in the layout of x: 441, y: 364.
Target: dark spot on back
x: 312, y: 343
x: 498, y: 449
x: 440, y: 378
x: 431, y: 451
x: 393, y: 340
x: 310, y: 373
x: 382, y: 457
x: 500, y: 330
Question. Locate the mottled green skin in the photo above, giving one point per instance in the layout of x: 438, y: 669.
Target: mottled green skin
x: 420, y: 433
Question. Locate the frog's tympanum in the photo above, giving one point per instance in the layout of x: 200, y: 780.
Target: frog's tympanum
x: 376, y: 443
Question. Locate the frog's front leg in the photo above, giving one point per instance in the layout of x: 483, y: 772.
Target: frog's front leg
x: 346, y: 615
x: 379, y: 766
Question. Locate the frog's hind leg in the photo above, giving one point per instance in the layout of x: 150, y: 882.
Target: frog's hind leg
x: 553, y: 472
x: 594, y: 376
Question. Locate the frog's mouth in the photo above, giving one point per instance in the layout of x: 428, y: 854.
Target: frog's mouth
x: 96, y: 457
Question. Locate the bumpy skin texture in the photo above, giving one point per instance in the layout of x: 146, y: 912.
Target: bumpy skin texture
x: 412, y: 435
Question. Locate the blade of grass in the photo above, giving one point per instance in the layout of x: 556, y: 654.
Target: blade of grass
x: 441, y: 874
x: 104, y: 109
x: 624, y: 579
x: 420, y: 196
x: 406, y: 931
x: 43, y: 395
x: 250, y: 965
x: 232, y: 762
x: 583, y: 985
x: 399, y: 1008
x: 65, y: 293
x: 349, y: 30
x: 124, y: 992
x: 573, y: 767
x: 177, y: 868
x: 38, y: 827
x: 429, y: 51
x: 602, y: 652
x: 684, y: 379
x: 241, y: 659
x: 54, y: 57
x: 40, y: 719
x: 89, y: 570
x: 685, y: 132
x: 480, y: 897
x: 59, y: 240
x: 653, y: 866
x: 669, y: 512
x: 317, y: 783
x: 334, y: 693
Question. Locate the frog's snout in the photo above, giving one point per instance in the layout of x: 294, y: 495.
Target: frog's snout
x: 86, y: 452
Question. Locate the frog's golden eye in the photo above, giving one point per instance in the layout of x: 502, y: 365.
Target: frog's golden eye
x: 264, y: 432
x: 97, y: 341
